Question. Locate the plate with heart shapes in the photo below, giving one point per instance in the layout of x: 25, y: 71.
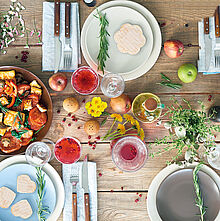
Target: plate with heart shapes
x: 8, y: 178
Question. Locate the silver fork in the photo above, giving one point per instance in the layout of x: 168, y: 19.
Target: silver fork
x: 67, y: 46
x: 74, y: 179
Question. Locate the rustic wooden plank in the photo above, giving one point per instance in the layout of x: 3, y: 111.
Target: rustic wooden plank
x: 147, y: 83
x: 175, y: 14
x: 152, y: 131
x: 124, y: 207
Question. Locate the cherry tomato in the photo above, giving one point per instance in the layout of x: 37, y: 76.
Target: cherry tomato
x: 36, y: 118
x: 22, y: 88
x: 34, y: 99
x: 9, y: 143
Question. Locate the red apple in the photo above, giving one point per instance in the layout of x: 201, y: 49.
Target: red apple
x: 58, y: 82
x: 121, y: 104
x: 173, y: 48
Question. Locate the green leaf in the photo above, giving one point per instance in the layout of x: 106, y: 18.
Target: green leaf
x: 104, y: 121
x: 18, y: 101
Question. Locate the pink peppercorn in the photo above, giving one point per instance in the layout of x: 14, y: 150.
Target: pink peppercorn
x: 137, y: 200
x: 69, y: 124
x: 100, y: 174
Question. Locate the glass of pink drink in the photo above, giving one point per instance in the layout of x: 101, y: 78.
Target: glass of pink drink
x: 85, y: 80
x: 129, y: 153
x: 67, y: 150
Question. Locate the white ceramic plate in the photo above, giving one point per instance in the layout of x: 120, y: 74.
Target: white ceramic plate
x: 145, y: 67
x: 119, y: 62
x: 54, y: 176
x: 160, y: 177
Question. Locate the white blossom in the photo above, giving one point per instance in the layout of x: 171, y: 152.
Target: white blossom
x: 180, y: 131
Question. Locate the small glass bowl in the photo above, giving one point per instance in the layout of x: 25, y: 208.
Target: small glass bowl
x: 134, y: 164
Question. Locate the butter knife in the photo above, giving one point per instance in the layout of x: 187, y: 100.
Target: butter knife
x: 57, y: 42
x: 208, y: 44
x: 85, y: 186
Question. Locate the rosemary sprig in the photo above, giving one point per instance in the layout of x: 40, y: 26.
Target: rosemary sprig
x: 42, y: 210
x: 168, y: 82
x: 199, y: 199
x: 3, y: 109
x: 103, y: 43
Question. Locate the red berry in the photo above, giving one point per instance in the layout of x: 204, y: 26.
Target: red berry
x: 100, y: 174
x: 90, y: 144
x: 209, y: 99
x: 89, y: 137
x: 93, y: 148
x: 64, y: 119
x: 97, y: 138
x: 78, y: 128
x: 137, y: 193
x: 94, y: 145
x: 58, y: 111
x: 122, y: 188
x: 16, y: 57
x: 69, y: 124
x: 83, y: 101
x: 76, y: 120
x: 69, y: 114
x: 163, y: 24
x: 137, y: 200
x: 112, y: 191
x: 140, y: 195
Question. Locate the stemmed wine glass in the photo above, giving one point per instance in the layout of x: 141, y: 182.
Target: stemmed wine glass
x: 39, y: 153
x: 112, y: 85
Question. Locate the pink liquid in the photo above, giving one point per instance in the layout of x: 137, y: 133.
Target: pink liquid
x: 128, y: 151
x: 85, y: 80
x: 67, y: 150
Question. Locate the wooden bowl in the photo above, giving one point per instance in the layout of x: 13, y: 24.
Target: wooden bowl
x: 45, y: 100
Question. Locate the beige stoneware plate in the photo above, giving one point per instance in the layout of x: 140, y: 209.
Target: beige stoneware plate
x: 119, y: 62
x: 148, y: 64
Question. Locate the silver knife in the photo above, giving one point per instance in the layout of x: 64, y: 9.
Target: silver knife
x: 57, y: 42
x: 85, y: 186
x: 208, y: 44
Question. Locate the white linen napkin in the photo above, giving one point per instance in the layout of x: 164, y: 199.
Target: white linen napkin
x: 48, y: 35
x: 201, y: 61
x: 76, y: 168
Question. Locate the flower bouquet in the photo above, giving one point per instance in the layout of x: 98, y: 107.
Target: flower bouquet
x: 188, y: 129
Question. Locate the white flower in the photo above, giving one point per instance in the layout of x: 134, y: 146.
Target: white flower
x: 180, y: 131
x: 13, y: 1
x: 17, y: 9
x: 167, y: 125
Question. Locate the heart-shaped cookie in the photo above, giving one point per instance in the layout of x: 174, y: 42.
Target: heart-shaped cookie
x: 7, y: 196
x: 25, y: 184
x: 22, y: 209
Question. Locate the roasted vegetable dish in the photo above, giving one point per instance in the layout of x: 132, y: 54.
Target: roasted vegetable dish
x: 22, y: 115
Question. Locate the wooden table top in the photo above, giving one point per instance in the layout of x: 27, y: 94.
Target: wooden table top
x: 117, y: 190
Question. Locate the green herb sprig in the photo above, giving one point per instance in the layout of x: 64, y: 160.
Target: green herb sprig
x: 18, y: 134
x: 197, y: 125
x: 3, y: 109
x: 18, y: 101
x: 103, y: 43
x: 169, y: 83
x: 42, y: 210
x: 199, y: 200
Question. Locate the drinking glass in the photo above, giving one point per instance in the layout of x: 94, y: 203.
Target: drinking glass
x: 67, y: 150
x: 85, y: 80
x: 112, y: 85
x: 129, y: 153
x: 39, y: 153
x: 214, y: 157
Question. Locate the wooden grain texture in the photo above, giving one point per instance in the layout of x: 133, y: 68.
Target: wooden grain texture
x: 178, y: 20
x: 208, y: 84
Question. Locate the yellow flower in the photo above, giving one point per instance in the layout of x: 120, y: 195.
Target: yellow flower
x: 121, y: 128
x: 117, y: 117
x: 88, y: 105
x: 91, y: 111
x: 96, y: 101
x: 137, y: 125
x: 141, y: 134
x: 97, y: 113
x: 129, y: 118
x: 103, y: 106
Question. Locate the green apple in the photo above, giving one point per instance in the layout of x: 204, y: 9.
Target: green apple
x: 187, y: 73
